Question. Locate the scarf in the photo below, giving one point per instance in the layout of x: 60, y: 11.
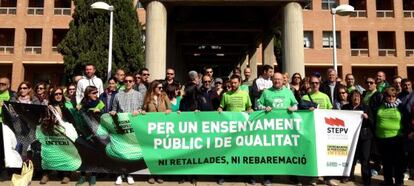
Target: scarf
x: 25, y: 99
x: 392, y: 105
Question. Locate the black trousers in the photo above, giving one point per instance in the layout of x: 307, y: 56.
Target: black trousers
x: 362, y: 153
x: 394, y: 163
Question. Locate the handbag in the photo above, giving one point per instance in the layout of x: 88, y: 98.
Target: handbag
x: 306, y: 105
x: 26, y: 175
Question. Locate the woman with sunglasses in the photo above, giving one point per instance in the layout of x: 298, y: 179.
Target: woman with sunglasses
x: 156, y: 100
x: 42, y: 93
x: 60, y: 155
x: 70, y: 94
x: 295, y: 85
x: 342, y: 98
x: 389, y: 131
x: 25, y: 94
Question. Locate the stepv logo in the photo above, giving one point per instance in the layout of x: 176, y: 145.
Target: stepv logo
x: 337, y: 126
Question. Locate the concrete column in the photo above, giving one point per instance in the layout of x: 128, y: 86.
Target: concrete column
x: 156, y: 39
x: 293, y: 51
x: 253, y: 59
x: 269, y: 57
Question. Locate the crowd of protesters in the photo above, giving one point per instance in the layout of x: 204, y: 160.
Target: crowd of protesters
x: 386, y: 141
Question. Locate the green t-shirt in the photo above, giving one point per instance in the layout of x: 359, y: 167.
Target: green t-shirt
x: 58, y: 152
x: 321, y: 99
x: 367, y: 97
x: 175, y: 107
x: 124, y: 144
x: 277, y: 99
x: 120, y: 86
x: 237, y: 101
x: 381, y: 87
x: 244, y: 88
x: 388, y: 122
x: 5, y: 96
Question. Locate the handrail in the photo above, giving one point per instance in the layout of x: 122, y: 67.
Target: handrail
x: 33, y: 49
x: 408, y: 13
x: 359, y: 52
x: 8, y: 10
x: 35, y: 10
x: 409, y: 52
x: 6, y: 49
x: 359, y: 13
x: 62, y: 11
x: 385, y: 13
x: 387, y: 52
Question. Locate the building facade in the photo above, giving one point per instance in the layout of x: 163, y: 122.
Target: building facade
x: 378, y: 36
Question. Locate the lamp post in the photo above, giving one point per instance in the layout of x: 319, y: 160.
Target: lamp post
x: 105, y: 6
x: 342, y: 10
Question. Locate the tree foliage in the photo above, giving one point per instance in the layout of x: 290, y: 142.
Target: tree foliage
x: 87, y: 40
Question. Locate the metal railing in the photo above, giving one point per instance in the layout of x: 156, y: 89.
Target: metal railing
x: 6, y: 49
x: 387, y: 52
x: 409, y: 52
x: 62, y: 11
x: 359, y: 13
x: 35, y: 10
x: 55, y: 50
x: 8, y: 10
x: 33, y: 49
x: 385, y: 13
x: 359, y: 52
x: 408, y: 13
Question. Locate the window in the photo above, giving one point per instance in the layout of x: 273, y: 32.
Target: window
x: 360, y: 8
x: 35, y: 7
x: 308, y: 6
x: 58, y: 35
x: 327, y: 39
x: 62, y: 7
x: 408, y: 8
x: 328, y: 4
x: 308, y: 39
x: 385, y: 8
x: 386, y: 44
x: 33, y: 41
x: 6, y: 40
x: 8, y: 6
x: 359, y: 43
x: 409, y: 45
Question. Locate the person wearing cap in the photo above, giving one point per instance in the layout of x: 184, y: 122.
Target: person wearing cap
x: 219, y: 87
x: 191, y: 93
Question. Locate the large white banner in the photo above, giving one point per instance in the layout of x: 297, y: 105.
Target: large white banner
x: 337, y: 135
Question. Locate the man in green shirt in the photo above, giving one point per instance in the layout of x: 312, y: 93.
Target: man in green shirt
x: 5, y: 94
x: 381, y: 81
x: 319, y: 98
x: 278, y: 96
x: 235, y: 100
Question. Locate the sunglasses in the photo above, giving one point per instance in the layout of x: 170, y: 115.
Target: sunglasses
x: 145, y: 74
x: 207, y: 81
x: 342, y: 92
x: 95, y: 92
x: 128, y: 81
x: 170, y: 74
x: 218, y: 83
x: 71, y: 89
x: 3, y: 84
x: 209, y: 72
x: 58, y: 94
x: 40, y: 88
x: 24, y: 88
x: 160, y: 87
x: 370, y: 82
x: 297, y: 77
x: 390, y: 96
x: 314, y: 83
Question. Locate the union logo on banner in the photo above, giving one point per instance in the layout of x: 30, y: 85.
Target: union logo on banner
x: 335, y: 122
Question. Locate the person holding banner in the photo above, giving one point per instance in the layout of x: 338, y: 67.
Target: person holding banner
x: 123, y: 144
x: 235, y: 100
x: 59, y: 103
x: 278, y: 96
x: 389, y: 131
x: 156, y: 100
x: 366, y: 135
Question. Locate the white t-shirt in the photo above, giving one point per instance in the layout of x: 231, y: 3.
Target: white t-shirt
x: 262, y: 83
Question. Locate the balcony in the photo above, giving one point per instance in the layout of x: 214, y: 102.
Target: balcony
x: 385, y: 13
x: 359, y: 13
x: 360, y: 52
x: 62, y: 11
x: 6, y: 49
x: 35, y: 7
x: 8, y: 10
x: 409, y: 52
x: 33, y: 50
x: 408, y: 8
x: 387, y: 52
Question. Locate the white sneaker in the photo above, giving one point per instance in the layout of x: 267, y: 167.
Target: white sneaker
x: 130, y: 180
x: 118, y: 180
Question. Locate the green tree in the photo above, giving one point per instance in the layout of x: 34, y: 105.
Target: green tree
x: 87, y: 40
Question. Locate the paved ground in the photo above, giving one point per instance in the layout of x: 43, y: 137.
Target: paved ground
x: 204, y: 181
